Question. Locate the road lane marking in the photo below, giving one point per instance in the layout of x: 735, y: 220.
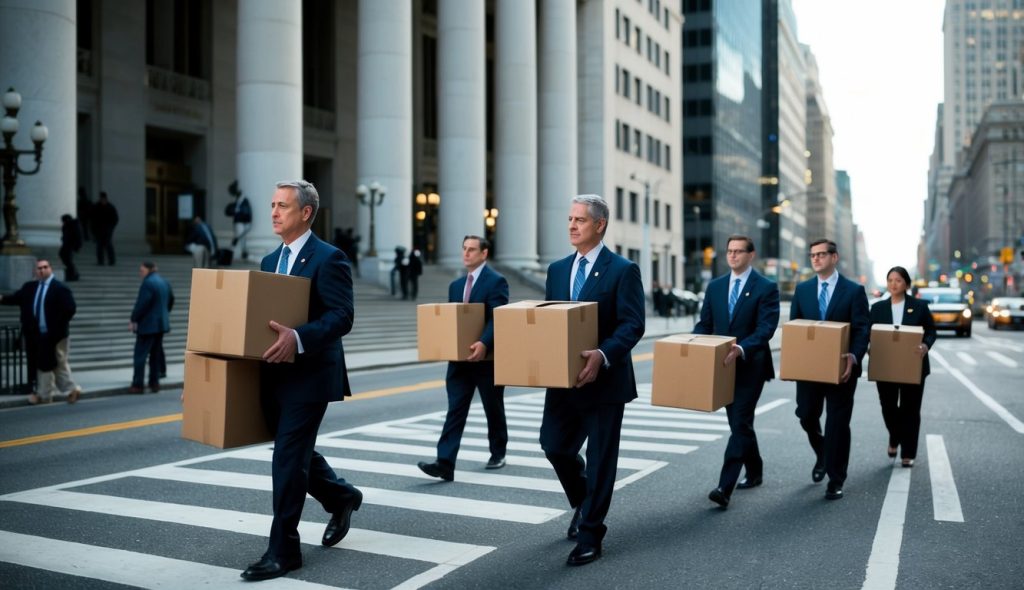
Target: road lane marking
x: 436, y: 384
x: 761, y: 409
x: 128, y: 568
x: 478, y: 416
x: 966, y: 358
x: 1002, y: 342
x: 92, y: 430
x: 1002, y: 358
x: 981, y: 395
x: 884, y: 561
x: 534, y: 434
x: 945, y: 499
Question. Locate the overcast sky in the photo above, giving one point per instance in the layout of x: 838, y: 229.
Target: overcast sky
x: 881, y: 72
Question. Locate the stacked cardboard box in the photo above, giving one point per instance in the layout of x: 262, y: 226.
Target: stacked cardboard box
x: 538, y: 343
x: 689, y: 372
x: 894, y: 357
x: 444, y: 331
x: 813, y: 350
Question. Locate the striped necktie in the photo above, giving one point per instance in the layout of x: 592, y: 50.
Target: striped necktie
x: 282, y: 266
x: 581, y: 277
x: 823, y: 300
x: 734, y: 295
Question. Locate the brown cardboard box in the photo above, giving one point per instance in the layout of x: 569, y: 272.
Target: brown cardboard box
x: 222, y: 402
x: 538, y: 343
x: 688, y: 372
x: 444, y: 331
x: 812, y: 350
x: 230, y: 310
x: 893, y: 355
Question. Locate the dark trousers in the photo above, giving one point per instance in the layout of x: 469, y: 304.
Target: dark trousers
x: 463, y: 379
x: 68, y: 258
x: 832, y: 448
x: 742, y: 450
x: 298, y: 469
x: 104, y: 247
x: 901, y: 411
x: 147, y: 346
x: 587, y: 484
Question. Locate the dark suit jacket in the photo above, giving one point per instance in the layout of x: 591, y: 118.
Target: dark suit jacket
x: 915, y: 313
x: 614, y: 283
x: 491, y: 289
x: 754, y: 320
x: 848, y: 304
x: 319, y: 374
x: 153, y: 306
x: 59, y: 307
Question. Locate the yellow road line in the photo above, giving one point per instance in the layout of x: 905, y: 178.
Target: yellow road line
x: 643, y: 357
x: 403, y: 389
x: 28, y: 440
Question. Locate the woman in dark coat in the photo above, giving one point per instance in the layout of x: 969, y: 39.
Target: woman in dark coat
x: 901, y: 402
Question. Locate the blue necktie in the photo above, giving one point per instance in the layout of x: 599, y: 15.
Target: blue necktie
x: 581, y: 277
x: 733, y: 296
x: 40, y: 317
x: 282, y: 266
x: 823, y: 300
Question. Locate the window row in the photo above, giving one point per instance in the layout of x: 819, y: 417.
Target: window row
x: 631, y: 141
x: 697, y: 38
x: 697, y: 72
x: 633, y: 209
x: 631, y: 88
x: 633, y: 36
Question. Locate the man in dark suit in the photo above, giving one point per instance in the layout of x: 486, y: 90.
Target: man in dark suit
x: 593, y: 409
x: 832, y: 297
x: 150, y: 320
x: 745, y: 305
x: 202, y: 244
x: 295, y: 394
x: 480, y: 285
x: 104, y: 220
x: 47, y: 307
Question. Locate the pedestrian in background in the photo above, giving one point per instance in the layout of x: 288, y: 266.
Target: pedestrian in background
x: 47, y: 307
x: 82, y: 209
x: 400, y: 273
x: 480, y: 285
x: 414, y: 272
x: 901, y: 402
x: 151, y: 319
x: 240, y: 212
x: 202, y: 244
x: 70, y: 242
x: 104, y: 220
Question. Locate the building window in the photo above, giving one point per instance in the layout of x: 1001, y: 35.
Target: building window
x: 627, y: 30
x: 625, y: 138
x: 637, y: 137
x: 637, y: 31
x: 667, y: 72
x: 638, y: 86
x: 668, y: 110
x: 668, y: 217
x: 657, y: 212
x: 618, y: 24
x: 617, y: 78
x: 668, y: 157
x: 618, y: 135
x: 633, y: 215
x: 619, y: 203
x: 625, y: 83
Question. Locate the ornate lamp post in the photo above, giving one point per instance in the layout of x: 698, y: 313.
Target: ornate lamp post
x: 371, y: 196
x: 9, y: 156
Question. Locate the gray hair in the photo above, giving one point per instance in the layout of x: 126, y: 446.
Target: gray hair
x: 306, y: 194
x: 597, y: 207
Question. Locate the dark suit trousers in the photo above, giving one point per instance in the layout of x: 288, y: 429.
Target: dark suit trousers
x: 588, y: 484
x: 901, y: 411
x: 742, y: 449
x: 834, y: 447
x: 463, y: 379
x: 297, y: 468
x: 147, y: 346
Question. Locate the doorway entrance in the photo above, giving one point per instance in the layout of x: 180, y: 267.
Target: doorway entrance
x: 171, y: 203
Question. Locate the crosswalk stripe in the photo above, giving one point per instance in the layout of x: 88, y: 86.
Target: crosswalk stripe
x: 761, y: 409
x: 1002, y: 358
x: 432, y: 503
x: 653, y: 447
x: 367, y: 541
x: 1000, y: 342
x: 534, y: 434
x: 945, y: 499
x: 478, y: 418
x: 967, y: 359
x: 128, y: 568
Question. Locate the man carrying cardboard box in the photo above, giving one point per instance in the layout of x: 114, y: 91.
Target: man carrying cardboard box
x: 745, y: 305
x: 832, y: 297
x: 592, y: 410
x: 294, y: 395
x: 480, y: 285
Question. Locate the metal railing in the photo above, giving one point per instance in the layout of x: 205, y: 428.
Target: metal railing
x: 175, y: 83
x: 13, y: 363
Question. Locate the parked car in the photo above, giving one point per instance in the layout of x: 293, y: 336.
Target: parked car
x: 687, y: 301
x: 949, y: 309
x: 1005, y: 311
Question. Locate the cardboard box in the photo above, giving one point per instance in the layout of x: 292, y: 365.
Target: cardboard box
x: 222, y: 402
x: 893, y: 355
x: 688, y: 372
x: 230, y: 310
x: 444, y: 331
x: 812, y: 350
x: 538, y: 343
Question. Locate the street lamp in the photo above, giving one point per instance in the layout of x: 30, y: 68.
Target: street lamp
x: 372, y: 196
x: 9, y: 156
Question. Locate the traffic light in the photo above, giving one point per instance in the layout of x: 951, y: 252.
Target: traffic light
x: 1006, y: 255
x: 709, y: 253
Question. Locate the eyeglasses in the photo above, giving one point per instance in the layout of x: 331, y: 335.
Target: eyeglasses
x: 736, y: 252
x: 820, y: 254
x: 42, y: 267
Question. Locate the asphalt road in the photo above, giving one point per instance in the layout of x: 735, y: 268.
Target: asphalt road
x: 135, y: 505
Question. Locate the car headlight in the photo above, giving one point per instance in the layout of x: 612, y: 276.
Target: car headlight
x: 967, y: 313
x: 1003, y: 313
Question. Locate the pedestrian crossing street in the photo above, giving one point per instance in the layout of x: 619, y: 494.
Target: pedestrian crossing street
x: 378, y: 458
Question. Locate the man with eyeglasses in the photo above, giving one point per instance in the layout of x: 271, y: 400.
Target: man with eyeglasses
x: 47, y: 307
x: 832, y: 297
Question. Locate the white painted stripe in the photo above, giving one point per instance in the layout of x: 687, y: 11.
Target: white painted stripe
x: 128, y: 568
x: 884, y: 561
x: 1000, y: 342
x: 1002, y: 358
x: 433, y: 503
x: 653, y: 447
x: 963, y: 356
x: 761, y: 409
x: 945, y: 499
x: 392, y: 545
x: 981, y: 395
x: 535, y: 434
x: 625, y: 421
x: 646, y: 410
x: 625, y: 481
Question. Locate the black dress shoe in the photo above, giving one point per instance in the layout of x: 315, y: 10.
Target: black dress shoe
x: 718, y: 497
x: 268, y: 568
x: 583, y: 554
x: 818, y: 473
x: 340, y: 522
x: 435, y: 469
x: 749, y: 482
x: 834, y: 492
x: 495, y: 463
x: 574, y: 524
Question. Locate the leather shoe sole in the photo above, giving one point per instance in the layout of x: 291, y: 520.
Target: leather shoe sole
x: 436, y: 470
x: 718, y: 497
x: 749, y: 482
x: 583, y: 554
x: 268, y: 569
x: 340, y: 522
x: 495, y: 463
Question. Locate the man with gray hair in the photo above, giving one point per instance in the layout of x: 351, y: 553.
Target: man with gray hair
x: 295, y: 395
x: 592, y: 410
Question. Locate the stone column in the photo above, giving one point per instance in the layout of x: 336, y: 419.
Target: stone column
x: 269, y: 102
x: 515, y: 165
x: 461, y: 147
x: 557, y: 136
x: 384, y: 136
